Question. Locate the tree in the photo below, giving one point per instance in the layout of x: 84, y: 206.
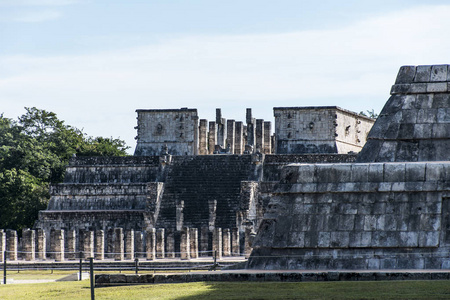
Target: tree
x: 369, y: 113
x: 34, y: 151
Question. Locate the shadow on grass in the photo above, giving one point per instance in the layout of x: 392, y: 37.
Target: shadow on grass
x: 325, y: 290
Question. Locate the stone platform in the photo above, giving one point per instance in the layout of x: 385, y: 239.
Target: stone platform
x: 104, y: 280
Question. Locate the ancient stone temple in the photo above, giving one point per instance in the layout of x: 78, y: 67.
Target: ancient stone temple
x: 188, y: 174
x: 328, y: 129
x: 388, y: 210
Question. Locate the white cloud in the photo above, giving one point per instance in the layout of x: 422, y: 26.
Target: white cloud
x: 352, y: 67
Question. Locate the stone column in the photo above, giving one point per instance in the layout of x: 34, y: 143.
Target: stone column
x: 88, y: 244
x: 238, y: 138
x: 150, y: 240
x: 57, y: 244
x: 129, y: 245
x: 273, y: 143
x: 217, y: 242
x: 195, y: 143
x: 160, y: 243
x: 226, y: 242
x: 29, y: 244
x: 99, y: 245
x: 259, y: 133
x: 179, y: 214
x: 193, y: 235
x: 221, y: 135
x: 41, y: 244
x: 250, y: 129
x: 118, y: 244
x: 110, y: 243
x: 249, y: 235
x: 2, y: 243
x: 235, y: 246
x: 212, y: 137
x: 204, y: 237
x: 170, y: 245
x: 185, y: 244
x: 267, y: 149
x: 212, y: 205
x: 70, y: 245
x: 230, y: 135
x: 139, y: 244
x: 203, y: 140
x: 11, y: 244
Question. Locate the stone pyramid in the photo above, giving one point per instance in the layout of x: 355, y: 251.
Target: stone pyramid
x: 414, y: 125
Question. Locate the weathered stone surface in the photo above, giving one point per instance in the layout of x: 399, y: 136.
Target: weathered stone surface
x: 177, y: 129
x: 319, y: 130
x: 371, y: 215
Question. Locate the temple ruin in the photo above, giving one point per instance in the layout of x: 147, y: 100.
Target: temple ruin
x: 320, y: 192
x: 388, y: 210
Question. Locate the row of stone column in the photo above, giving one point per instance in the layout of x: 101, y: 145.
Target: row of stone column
x: 121, y: 245
x: 235, y: 134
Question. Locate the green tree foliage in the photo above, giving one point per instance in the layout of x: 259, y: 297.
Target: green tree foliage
x: 369, y: 113
x: 34, y: 152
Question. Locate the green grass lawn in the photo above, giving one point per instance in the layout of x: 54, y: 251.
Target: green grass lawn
x: 235, y: 290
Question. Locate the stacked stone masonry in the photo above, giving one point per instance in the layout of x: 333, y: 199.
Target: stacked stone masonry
x: 302, y: 198
x: 298, y: 130
x: 390, y: 210
x: 144, y: 193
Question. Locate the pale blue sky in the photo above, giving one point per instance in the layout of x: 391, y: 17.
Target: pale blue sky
x: 95, y: 62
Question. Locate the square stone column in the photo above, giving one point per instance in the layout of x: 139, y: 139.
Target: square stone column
x: 2, y: 243
x: 110, y: 243
x: 70, y: 245
x: 129, y: 245
x: 204, y: 238
x: 193, y: 236
x: 185, y: 244
x: 139, y: 244
x: 118, y: 244
x: 267, y: 138
x: 203, y: 139
x: 221, y: 131
x: 212, y: 137
x: 238, y: 138
x: 57, y: 244
x: 99, y: 245
x: 11, y: 244
x: 170, y: 244
x: 226, y: 242
x: 230, y: 135
x: 29, y: 244
x: 150, y: 240
x: 249, y: 235
x: 179, y: 214
x: 160, y: 243
x: 217, y: 242
x: 235, y: 245
x: 250, y: 129
x: 41, y: 244
x: 88, y: 243
x: 259, y: 132
x: 212, y: 208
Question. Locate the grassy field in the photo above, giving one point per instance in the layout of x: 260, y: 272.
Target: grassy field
x: 234, y: 290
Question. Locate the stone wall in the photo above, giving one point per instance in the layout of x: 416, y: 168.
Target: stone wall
x: 414, y: 125
x: 389, y: 211
x: 327, y: 129
x: 338, y: 216
x: 175, y: 128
